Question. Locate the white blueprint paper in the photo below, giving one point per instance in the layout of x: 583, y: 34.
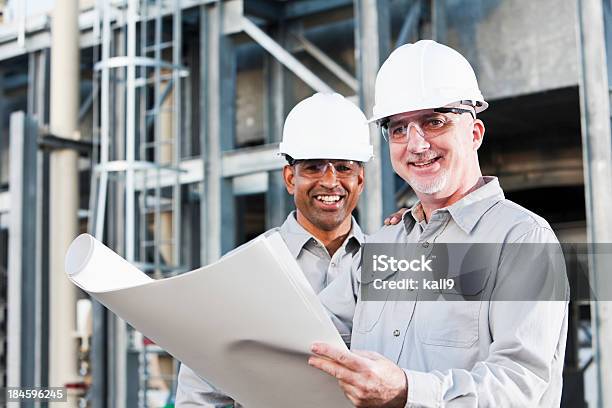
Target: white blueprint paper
x: 244, y: 323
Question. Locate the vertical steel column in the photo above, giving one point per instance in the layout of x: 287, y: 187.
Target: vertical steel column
x: 218, y: 79
x: 372, y: 42
x: 23, y: 369
x: 205, y: 246
x: 99, y: 393
x: 38, y: 91
x: 177, y: 103
x: 226, y: 128
x: 277, y: 99
x: 157, y: 138
x: 98, y: 228
x: 64, y: 190
x: 438, y: 20
x: 607, y: 10
x: 3, y: 140
x: 128, y: 395
x: 597, y: 162
x: 410, y: 25
x: 37, y: 85
x: 15, y: 268
x: 130, y: 133
x: 34, y: 104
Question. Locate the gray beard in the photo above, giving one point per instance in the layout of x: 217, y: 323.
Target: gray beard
x: 431, y: 187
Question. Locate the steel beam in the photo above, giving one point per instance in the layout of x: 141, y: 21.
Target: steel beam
x: 224, y: 130
x: 234, y: 163
x: 177, y: 55
x: 372, y: 35
x: 127, y: 390
x: 205, y: 247
x: 4, y: 146
x: 23, y: 368
x: 607, y: 10
x: 38, y: 64
x: 303, y: 8
x: 409, y: 26
x: 101, y: 391
x: 273, y: 11
x: 38, y: 36
x: 38, y: 92
x: 278, y: 98
x: 87, y: 103
x: 597, y: 161
x: 270, y: 10
x: 51, y: 142
x: 438, y: 20
x: 255, y: 183
x: 251, y: 160
x: 15, y: 270
x: 285, y: 58
x: 217, y: 92
x: 328, y: 62
x: 133, y: 61
x: 5, y: 202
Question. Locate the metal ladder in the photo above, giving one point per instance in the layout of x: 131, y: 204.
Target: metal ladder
x: 139, y: 160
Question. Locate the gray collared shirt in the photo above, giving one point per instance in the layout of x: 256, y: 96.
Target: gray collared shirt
x: 472, y: 353
x: 319, y: 268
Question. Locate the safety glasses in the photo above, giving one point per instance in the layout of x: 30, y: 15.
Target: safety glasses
x: 428, y: 125
x: 317, y: 167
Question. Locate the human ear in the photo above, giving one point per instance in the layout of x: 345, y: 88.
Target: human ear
x: 289, y: 177
x: 361, y: 179
x: 478, y: 131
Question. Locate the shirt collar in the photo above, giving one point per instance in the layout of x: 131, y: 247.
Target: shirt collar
x: 466, y: 212
x: 296, y: 236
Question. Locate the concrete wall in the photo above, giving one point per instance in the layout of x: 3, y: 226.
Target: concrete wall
x: 250, y: 107
x: 516, y: 46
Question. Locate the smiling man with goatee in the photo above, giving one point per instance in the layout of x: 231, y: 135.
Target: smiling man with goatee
x: 498, y: 344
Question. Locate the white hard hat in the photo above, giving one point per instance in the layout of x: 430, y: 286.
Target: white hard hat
x: 326, y: 126
x: 424, y: 75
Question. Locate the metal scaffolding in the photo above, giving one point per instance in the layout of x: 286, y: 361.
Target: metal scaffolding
x: 156, y: 61
x: 137, y: 191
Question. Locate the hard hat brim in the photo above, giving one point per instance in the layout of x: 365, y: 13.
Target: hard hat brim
x: 376, y: 118
x: 362, y: 155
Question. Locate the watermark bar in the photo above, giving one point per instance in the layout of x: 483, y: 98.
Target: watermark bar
x: 484, y: 272
x: 43, y: 394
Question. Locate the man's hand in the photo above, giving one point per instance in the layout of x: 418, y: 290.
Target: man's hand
x: 367, y: 378
x: 395, y: 217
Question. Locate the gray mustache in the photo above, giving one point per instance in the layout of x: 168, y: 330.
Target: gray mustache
x: 420, y: 157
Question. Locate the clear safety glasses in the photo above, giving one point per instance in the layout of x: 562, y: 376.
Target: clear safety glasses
x: 318, y: 167
x: 428, y: 125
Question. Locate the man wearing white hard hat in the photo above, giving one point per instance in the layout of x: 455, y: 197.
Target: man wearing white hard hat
x: 326, y: 142
x: 423, y: 353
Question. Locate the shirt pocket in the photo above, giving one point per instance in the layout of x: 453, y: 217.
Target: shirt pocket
x: 367, y: 315
x: 448, y: 323
x: 451, y: 317
x: 367, y: 312
x: 371, y: 302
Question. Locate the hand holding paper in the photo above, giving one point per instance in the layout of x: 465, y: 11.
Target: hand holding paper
x: 244, y: 323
